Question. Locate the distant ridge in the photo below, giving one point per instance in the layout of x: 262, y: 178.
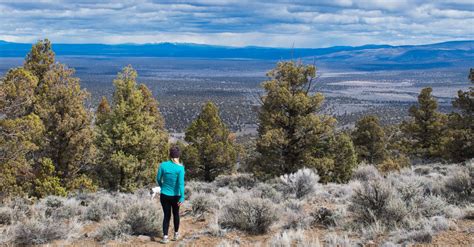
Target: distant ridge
x: 367, y: 57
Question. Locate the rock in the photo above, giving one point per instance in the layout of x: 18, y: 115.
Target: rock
x: 144, y: 238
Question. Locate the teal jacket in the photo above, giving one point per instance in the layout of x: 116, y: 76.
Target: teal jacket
x: 170, y: 177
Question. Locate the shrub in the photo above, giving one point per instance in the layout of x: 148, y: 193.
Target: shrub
x: 469, y: 213
x: 143, y: 218
x: 66, y: 209
x: 266, y: 191
x: 112, y: 230
x: 299, y: 184
x: 433, y: 206
x: 333, y: 239
x: 291, y: 238
x: 417, y: 236
x: 240, y: 180
x: 458, y: 187
x: 203, y: 203
x: 294, y: 216
x: 366, y: 173
x: 253, y: 215
x: 377, y: 200
x: 438, y: 223
x: 21, y: 208
x: 6, y: 216
x: 324, y: 216
x: 103, y: 207
x: 34, y: 231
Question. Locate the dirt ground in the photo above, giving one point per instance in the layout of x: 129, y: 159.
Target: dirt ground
x: 192, y: 234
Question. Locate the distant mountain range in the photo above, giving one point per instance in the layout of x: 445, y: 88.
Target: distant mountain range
x: 366, y: 57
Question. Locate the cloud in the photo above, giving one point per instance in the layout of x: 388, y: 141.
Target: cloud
x: 280, y: 23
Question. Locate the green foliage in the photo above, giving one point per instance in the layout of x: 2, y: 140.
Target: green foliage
x: 45, y: 119
x: 69, y: 135
x: 291, y: 134
x: 18, y: 142
x: 40, y: 58
x: 458, y: 140
x: 369, y: 140
x: 17, y: 93
x: 211, y: 150
x: 425, y: 128
x: 45, y: 182
x: 345, y: 159
x: 131, y: 137
x: 82, y: 184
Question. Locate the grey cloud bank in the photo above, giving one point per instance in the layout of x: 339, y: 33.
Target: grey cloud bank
x: 239, y: 23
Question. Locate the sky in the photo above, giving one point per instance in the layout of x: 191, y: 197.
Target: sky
x: 274, y: 23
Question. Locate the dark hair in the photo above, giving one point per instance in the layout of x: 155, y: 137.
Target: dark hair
x: 175, y: 152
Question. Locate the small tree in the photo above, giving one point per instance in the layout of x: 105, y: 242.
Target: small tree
x: 345, y: 159
x: 458, y: 140
x: 291, y: 134
x: 369, y: 140
x: 425, y: 128
x: 130, y: 140
x: 211, y: 150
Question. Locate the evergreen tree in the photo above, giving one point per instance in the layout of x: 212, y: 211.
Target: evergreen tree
x: 17, y: 94
x: 345, y: 159
x: 425, y: 128
x: 211, y: 150
x: 43, y: 112
x: 40, y: 59
x: 68, y: 136
x: 291, y: 134
x: 130, y: 140
x: 459, y: 139
x: 19, y: 138
x: 369, y: 140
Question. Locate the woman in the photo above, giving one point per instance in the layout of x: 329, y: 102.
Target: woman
x: 170, y: 177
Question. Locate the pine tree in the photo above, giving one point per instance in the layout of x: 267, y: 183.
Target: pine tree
x: 369, y: 140
x: 459, y: 139
x: 131, y: 137
x: 211, y: 150
x: 291, y: 134
x: 425, y: 128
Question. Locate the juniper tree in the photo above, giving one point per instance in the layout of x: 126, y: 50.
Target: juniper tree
x: 291, y: 133
x: 19, y: 138
x: 68, y: 132
x: 211, y: 150
x: 40, y: 59
x: 369, y: 140
x: 130, y: 140
x: 425, y: 128
x: 345, y: 159
x: 43, y: 111
x: 459, y: 139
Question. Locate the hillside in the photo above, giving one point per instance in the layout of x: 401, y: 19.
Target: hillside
x: 430, y: 204
x: 367, y: 57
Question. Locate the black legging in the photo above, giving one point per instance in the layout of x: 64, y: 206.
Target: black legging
x: 168, y: 203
